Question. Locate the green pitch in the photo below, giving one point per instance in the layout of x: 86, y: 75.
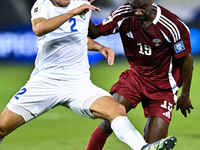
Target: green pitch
x: 61, y: 129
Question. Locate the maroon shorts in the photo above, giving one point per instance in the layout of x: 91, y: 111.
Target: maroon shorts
x: 155, y: 101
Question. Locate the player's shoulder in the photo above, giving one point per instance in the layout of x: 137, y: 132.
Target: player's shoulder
x: 121, y: 13
x: 124, y: 9
x: 42, y: 2
x: 168, y: 14
x: 171, y: 24
x: 41, y: 5
x: 169, y: 18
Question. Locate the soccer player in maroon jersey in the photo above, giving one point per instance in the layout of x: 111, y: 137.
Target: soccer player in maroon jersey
x: 157, y: 46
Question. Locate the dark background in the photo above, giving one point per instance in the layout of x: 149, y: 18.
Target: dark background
x: 18, y: 43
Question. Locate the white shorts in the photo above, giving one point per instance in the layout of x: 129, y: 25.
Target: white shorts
x: 40, y: 94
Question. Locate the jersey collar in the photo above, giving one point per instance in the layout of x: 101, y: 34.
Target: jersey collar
x: 156, y: 19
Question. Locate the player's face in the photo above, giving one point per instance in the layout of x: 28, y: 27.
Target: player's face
x: 141, y: 8
x: 61, y: 3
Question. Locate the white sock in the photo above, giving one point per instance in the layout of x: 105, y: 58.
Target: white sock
x: 1, y: 141
x: 125, y: 131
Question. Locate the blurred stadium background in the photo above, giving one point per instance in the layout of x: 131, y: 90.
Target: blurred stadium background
x: 18, y: 43
x: 18, y: 47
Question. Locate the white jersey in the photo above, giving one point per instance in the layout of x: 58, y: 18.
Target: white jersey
x: 62, y: 54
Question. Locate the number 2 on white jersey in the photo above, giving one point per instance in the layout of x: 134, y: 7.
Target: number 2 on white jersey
x: 21, y: 92
x: 73, y: 21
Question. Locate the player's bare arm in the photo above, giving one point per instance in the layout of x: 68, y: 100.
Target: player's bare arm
x: 184, y: 101
x: 108, y: 53
x: 42, y: 26
x: 93, y: 31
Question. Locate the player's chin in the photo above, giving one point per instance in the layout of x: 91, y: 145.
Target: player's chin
x: 64, y: 3
x: 140, y: 18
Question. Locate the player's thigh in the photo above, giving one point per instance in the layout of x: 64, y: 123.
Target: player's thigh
x: 37, y: 96
x: 88, y: 100
x: 127, y: 90
x: 106, y: 107
x: 123, y: 100
x: 159, y: 108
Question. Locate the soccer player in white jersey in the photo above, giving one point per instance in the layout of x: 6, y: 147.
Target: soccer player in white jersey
x: 62, y: 77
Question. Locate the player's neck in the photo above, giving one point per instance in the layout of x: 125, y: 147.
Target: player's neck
x: 148, y: 21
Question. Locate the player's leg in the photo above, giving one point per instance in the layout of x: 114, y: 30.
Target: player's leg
x: 167, y: 143
x: 9, y: 121
x: 158, y: 115
x: 35, y: 98
x: 155, y: 129
x: 105, y: 124
x: 90, y: 101
x: 102, y: 132
x: 107, y: 108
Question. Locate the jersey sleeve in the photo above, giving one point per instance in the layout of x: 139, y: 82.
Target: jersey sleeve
x: 112, y: 23
x: 39, y: 10
x: 108, y: 26
x: 182, y: 46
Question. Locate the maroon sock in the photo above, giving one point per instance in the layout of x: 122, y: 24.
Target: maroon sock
x: 97, y: 140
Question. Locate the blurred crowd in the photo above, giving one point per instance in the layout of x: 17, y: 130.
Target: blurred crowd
x: 18, y: 11
x: 15, y: 24
x: 15, y: 11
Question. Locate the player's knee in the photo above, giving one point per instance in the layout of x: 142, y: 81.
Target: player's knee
x: 105, y: 127
x: 119, y: 111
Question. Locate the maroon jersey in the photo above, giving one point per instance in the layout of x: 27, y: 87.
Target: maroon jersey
x: 153, y: 52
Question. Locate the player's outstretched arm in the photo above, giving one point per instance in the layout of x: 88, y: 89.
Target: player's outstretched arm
x: 108, y: 53
x: 42, y: 26
x: 184, y: 102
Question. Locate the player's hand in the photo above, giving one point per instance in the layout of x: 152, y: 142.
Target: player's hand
x: 184, y: 104
x: 109, y: 54
x: 83, y: 9
x: 90, y: 1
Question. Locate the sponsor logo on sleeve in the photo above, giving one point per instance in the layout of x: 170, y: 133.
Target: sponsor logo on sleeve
x: 179, y: 47
x: 107, y: 20
x: 36, y: 10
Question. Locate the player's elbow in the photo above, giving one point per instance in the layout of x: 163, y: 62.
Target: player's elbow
x: 94, y: 33
x: 38, y: 31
